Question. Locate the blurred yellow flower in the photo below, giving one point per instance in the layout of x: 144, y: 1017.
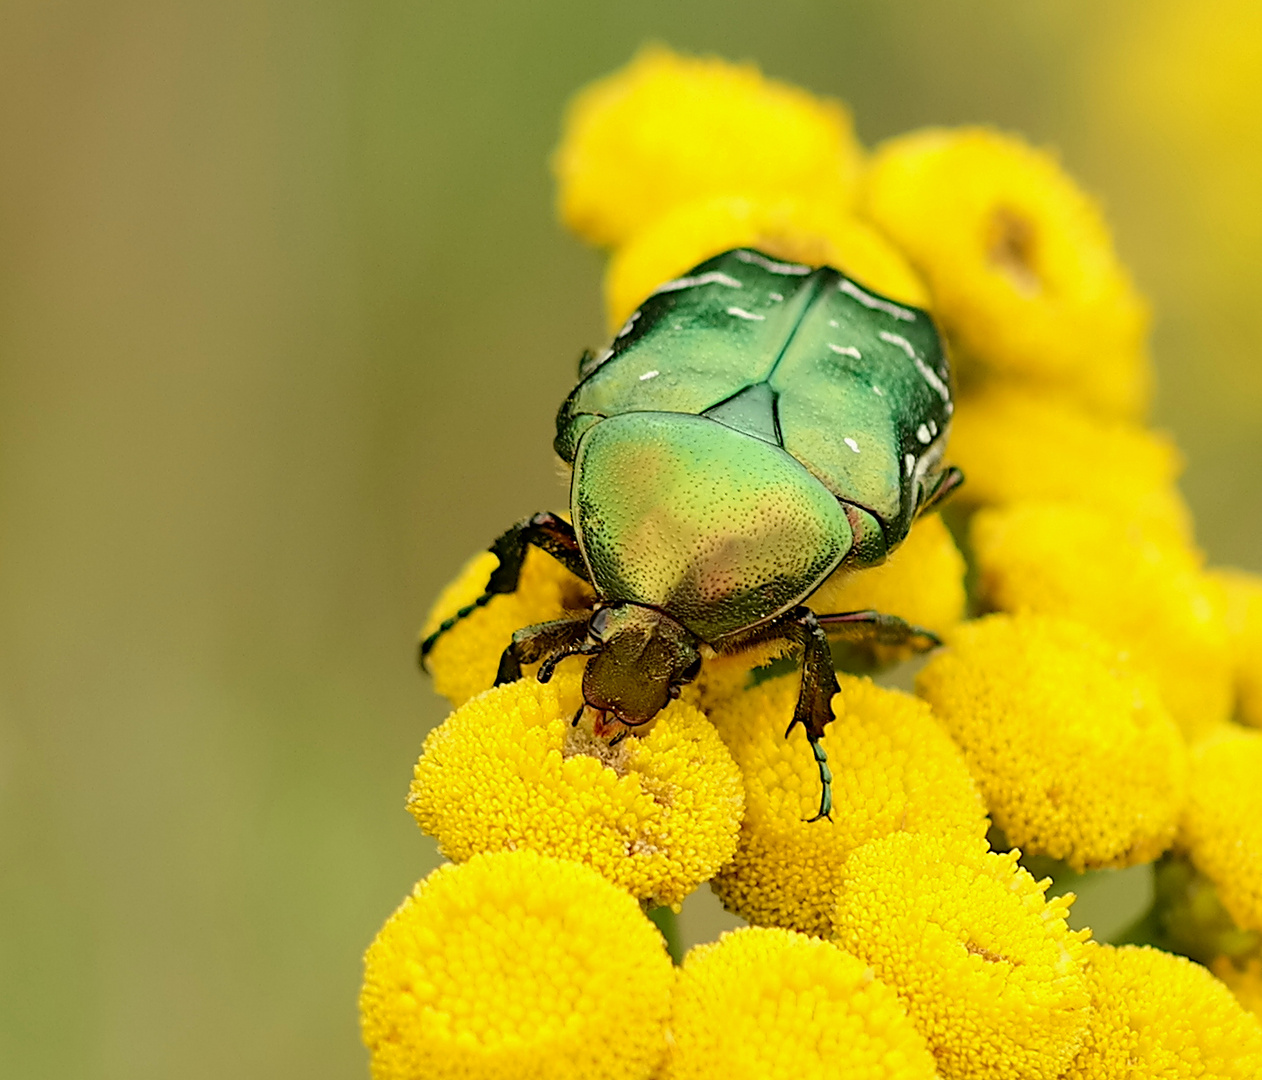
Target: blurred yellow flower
x: 669, y: 129
x: 776, y: 1005
x: 1158, y: 1015
x: 464, y: 660
x: 1222, y: 826
x: 789, y: 228
x: 1075, y: 756
x: 1142, y: 590
x: 1014, y: 443
x: 922, y: 581
x: 516, y: 965
x: 1019, y: 262
x: 893, y: 767
x: 1244, y: 980
x: 989, y: 971
x: 1244, y: 624
x: 656, y: 815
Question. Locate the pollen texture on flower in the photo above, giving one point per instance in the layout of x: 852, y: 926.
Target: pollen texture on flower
x: 1163, y: 1016
x: 1075, y: 755
x: 922, y: 581
x: 464, y: 660
x: 1015, y: 444
x: 1222, y: 826
x: 787, y: 228
x: 656, y: 815
x: 777, y: 1005
x: 989, y: 971
x: 893, y: 768
x: 1244, y: 625
x: 1019, y: 262
x: 516, y: 965
x: 668, y: 129
x: 1142, y: 590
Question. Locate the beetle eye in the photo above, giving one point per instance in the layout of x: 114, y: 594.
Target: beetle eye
x: 598, y: 624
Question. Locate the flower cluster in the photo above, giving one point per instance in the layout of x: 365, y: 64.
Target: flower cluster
x: 1095, y: 703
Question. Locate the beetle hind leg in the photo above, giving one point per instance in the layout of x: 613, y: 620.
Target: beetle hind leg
x: 553, y: 534
x: 875, y: 628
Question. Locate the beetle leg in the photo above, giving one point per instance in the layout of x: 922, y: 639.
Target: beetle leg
x: 554, y: 535
x: 947, y: 481
x: 550, y: 642
x: 874, y: 628
x: 815, y: 700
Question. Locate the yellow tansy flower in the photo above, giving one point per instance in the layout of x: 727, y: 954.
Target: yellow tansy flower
x: 1244, y: 624
x: 1014, y: 444
x: 1222, y: 826
x: 668, y: 129
x: 922, y: 581
x: 989, y: 971
x: 464, y: 660
x: 1076, y: 757
x: 1019, y: 262
x: 788, y: 228
x: 775, y: 1005
x: 1142, y: 590
x: 1244, y: 980
x: 893, y: 767
x: 1158, y: 1015
x: 656, y: 815
x: 516, y: 965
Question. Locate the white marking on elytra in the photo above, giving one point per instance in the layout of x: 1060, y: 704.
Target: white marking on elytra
x: 777, y: 297
x: 910, y: 462
x: 649, y: 375
x: 710, y: 277
x: 922, y: 433
x: 846, y: 350
x: 741, y: 313
x: 931, y: 377
x: 933, y: 426
x: 950, y: 407
x: 626, y: 326
x: 771, y: 264
x: 875, y: 302
x: 901, y: 342
x: 834, y: 324
x: 851, y: 443
x: 878, y: 391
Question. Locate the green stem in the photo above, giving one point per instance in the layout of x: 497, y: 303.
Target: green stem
x: 667, y: 922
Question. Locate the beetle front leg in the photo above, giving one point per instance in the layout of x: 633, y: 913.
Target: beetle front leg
x: 550, y: 642
x: 814, y: 707
x: 553, y: 534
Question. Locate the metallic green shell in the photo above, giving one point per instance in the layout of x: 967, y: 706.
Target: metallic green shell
x: 693, y: 517
x: 851, y: 384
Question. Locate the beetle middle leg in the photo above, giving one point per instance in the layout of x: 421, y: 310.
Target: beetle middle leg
x: 553, y: 534
x: 875, y: 628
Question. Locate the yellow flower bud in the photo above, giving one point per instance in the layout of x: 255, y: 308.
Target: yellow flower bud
x: 1019, y: 262
x: 775, y: 1005
x: 656, y: 815
x: 1244, y: 624
x: 893, y: 768
x: 669, y: 129
x: 1244, y: 980
x: 1222, y: 826
x: 1076, y: 756
x: 516, y: 965
x: 1160, y: 1015
x: 1015, y: 444
x: 1141, y: 590
x: 989, y: 971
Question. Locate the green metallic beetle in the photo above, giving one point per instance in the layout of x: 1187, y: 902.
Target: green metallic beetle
x: 754, y: 426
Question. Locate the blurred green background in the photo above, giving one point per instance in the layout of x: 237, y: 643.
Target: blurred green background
x: 284, y: 319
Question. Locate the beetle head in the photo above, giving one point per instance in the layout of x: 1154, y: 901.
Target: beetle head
x: 644, y: 657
